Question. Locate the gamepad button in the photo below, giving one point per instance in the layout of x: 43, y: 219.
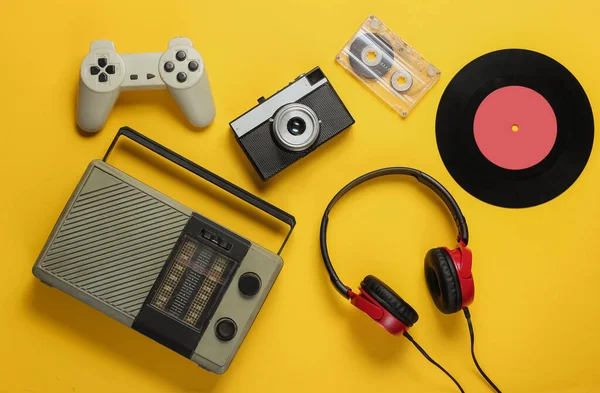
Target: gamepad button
x: 103, y: 77
x: 102, y: 62
x: 180, y: 55
x: 94, y: 70
x: 181, y: 77
x: 193, y: 66
x: 110, y: 69
x: 169, y: 66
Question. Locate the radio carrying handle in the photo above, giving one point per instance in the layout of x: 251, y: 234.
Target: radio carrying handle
x: 206, y: 175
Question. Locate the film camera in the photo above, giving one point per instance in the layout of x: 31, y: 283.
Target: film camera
x: 290, y: 124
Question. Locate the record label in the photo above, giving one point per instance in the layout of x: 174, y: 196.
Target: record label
x: 515, y: 128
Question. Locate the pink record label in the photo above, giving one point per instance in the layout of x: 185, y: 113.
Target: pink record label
x: 515, y: 127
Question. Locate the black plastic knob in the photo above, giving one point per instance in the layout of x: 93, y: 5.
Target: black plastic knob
x: 249, y: 284
x: 225, y: 329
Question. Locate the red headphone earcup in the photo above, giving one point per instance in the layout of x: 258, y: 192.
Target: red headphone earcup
x: 463, y: 260
x: 443, y: 280
x: 390, y: 300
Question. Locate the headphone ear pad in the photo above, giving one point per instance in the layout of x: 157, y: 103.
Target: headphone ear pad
x: 442, y: 280
x: 390, y: 300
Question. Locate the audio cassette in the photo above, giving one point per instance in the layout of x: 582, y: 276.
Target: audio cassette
x: 388, y: 65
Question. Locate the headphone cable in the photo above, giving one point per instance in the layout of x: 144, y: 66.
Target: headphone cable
x: 412, y: 340
x: 472, y: 334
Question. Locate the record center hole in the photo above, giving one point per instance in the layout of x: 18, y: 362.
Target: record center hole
x: 515, y: 128
x: 371, y: 55
x: 401, y: 80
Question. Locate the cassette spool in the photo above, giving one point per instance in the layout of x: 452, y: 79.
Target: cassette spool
x: 388, y: 66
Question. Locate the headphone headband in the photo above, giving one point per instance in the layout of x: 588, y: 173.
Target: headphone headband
x: 430, y: 182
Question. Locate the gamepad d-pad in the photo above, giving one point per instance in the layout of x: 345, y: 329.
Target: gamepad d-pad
x: 102, y: 69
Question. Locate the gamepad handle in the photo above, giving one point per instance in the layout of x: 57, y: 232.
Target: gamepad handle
x: 194, y: 103
x: 206, y: 175
x: 94, y: 107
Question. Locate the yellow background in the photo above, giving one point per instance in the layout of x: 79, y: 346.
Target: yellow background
x: 536, y: 310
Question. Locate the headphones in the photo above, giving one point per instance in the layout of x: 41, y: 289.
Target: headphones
x: 447, y: 271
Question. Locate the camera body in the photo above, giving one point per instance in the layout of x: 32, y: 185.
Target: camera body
x: 290, y: 124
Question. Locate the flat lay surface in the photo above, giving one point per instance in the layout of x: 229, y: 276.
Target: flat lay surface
x: 535, y: 269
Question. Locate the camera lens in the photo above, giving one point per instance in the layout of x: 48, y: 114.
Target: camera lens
x: 296, y: 126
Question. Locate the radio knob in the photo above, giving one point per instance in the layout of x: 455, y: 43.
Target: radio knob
x: 249, y: 284
x: 225, y: 329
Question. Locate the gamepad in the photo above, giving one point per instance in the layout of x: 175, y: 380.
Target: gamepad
x: 105, y: 73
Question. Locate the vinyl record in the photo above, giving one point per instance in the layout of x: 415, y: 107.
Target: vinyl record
x: 514, y: 128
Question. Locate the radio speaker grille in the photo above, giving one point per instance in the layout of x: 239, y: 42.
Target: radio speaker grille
x: 114, y: 242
